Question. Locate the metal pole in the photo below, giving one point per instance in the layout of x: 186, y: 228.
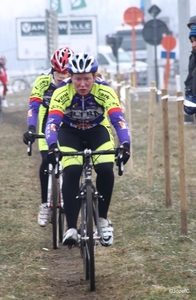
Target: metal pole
x: 149, y: 47
x: 184, y: 44
x: 117, y: 58
x: 155, y: 55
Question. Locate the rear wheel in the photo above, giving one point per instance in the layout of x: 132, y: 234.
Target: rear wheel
x: 19, y: 85
x: 90, y: 241
x: 62, y: 223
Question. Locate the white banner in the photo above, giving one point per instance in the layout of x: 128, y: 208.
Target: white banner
x: 77, y: 32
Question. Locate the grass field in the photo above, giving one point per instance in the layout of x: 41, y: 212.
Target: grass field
x: 150, y: 258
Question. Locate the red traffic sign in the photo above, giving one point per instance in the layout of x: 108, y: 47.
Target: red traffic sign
x: 133, y: 16
x: 168, y: 42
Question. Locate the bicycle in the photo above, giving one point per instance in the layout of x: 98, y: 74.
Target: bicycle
x: 0, y: 109
x: 89, y: 214
x: 19, y: 85
x: 54, y: 197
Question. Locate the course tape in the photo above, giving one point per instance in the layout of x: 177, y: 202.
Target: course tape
x: 189, y: 103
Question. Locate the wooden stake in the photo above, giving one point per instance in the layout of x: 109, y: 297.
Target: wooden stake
x: 182, y: 171
x: 164, y: 99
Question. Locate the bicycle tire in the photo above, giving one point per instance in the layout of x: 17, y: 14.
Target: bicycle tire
x: 90, y: 241
x: 0, y: 109
x: 83, y: 248
x: 61, y: 224
x: 55, y: 212
x: 19, y: 85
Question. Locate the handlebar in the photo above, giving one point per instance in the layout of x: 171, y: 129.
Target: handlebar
x: 89, y: 152
x: 29, y: 146
x: 85, y: 153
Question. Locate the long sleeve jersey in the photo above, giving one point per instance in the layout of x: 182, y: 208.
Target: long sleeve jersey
x: 4, y: 80
x: 190, y: 82
x: 41, y: 94
x: 83, y: 113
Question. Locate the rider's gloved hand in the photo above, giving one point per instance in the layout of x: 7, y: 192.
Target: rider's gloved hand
x: 125, y: 154
x: 29, y: 135
x: 52, y: 153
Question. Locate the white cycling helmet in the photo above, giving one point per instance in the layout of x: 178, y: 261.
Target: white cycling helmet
x: 82, y: 63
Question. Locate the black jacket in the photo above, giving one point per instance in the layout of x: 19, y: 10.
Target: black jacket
x: 190, y: 82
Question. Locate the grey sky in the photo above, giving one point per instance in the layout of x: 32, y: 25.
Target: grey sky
x: 109, y: 13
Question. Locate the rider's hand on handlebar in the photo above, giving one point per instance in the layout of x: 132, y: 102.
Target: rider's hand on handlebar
x: 29, y: 135
x: 53, y: 154
x: 124, y: 156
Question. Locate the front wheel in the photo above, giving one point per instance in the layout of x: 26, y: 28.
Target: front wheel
x: 90, y: 241
x: 82, y: 245
x: 55, y: 212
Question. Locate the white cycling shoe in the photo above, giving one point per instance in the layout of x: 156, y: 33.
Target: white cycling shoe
x: 4, y: 103
x: 44, y: 215
x: 107, y: 232
x: 70, y: 237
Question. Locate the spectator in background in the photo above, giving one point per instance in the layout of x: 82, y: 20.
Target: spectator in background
x: 3, y: 79
x: 192, y: 21
x: 190, y: 82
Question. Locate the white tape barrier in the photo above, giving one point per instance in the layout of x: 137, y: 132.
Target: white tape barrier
x: 189, y: 103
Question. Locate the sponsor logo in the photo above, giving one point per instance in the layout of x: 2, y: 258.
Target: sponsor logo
x: 53, y: 127
x: 33, y: 28
x: 30, y: 113
x: 122, y: 125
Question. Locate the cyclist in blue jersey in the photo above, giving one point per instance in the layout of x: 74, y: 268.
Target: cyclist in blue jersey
x: 40, y: 97
x: 78, y: 113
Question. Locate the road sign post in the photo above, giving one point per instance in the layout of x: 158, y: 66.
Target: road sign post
x: 114, y: 42
x: 168, y: 43
x: 133, y: 16
x: 153, y: 32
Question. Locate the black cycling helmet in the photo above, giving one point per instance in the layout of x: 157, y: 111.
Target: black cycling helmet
x: 82, y: 63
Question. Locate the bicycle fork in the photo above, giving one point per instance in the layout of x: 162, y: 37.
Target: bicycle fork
x: 95, y: 198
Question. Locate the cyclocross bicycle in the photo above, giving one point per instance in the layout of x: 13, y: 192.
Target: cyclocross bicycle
x: 54, y: 197
x: 89, y: 214
x: 0, y: 109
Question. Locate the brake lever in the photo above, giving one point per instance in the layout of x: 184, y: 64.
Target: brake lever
x: 57, y: 163
x: 121, y: 166
x: 29, y: 146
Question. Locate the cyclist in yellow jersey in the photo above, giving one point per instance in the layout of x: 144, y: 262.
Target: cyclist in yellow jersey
x: 78, y: 113
x: 40, y: 97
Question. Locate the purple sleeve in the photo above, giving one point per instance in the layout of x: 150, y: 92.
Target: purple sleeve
x: 51, y: 131
x: 33, y: 112
x: 122, y: 130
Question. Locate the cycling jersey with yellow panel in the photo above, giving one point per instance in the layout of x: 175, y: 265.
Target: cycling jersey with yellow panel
x: 83, y: 113
x: 41, y: 94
